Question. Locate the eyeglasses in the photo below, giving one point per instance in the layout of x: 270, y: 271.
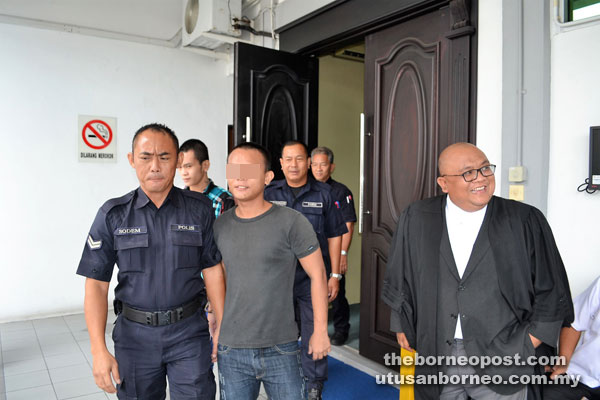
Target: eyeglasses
x: 472, y: 174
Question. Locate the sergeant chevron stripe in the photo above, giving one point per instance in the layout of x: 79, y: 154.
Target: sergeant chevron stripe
x: 94, y: 244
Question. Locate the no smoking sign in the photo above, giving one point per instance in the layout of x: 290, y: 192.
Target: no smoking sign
x: 97, y: 139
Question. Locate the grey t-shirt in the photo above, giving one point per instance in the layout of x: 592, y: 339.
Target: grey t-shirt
x: 260, y: 255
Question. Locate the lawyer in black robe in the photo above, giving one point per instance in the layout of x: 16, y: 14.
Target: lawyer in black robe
x: 526, y: 271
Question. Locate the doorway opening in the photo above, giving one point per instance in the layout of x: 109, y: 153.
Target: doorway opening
x: 341, y: 101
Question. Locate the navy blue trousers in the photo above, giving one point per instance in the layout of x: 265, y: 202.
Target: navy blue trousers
x: 315, y: 372
x: 148, y: 354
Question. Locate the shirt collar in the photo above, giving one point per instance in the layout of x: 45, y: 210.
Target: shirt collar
x: 142, y: 199
x: 209, y: 187
x: 453, y: 209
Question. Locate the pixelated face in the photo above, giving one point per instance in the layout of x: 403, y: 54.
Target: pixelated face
x: 192, y: 171
x: 246, y: 175
x: 294, y: 163
x: 469, y: 196
x: 155, y: 159
x: 321, y: 167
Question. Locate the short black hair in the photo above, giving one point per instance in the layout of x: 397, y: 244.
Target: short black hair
x: 293, y: 143
x: 156, y: 127
x: 257, y: 147
x: 200, y: 149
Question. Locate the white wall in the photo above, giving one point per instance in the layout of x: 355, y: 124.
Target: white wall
x: 575, y: 106
x: 49, y: 199
x: 489, y: 83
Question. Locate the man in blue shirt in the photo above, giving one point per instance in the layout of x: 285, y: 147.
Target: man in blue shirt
x: 313, y: 199
x: 194, y: 172
x: 161, y: 238
x: 322, y: 167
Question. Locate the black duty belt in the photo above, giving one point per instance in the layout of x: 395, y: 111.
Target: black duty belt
x: 160, y: 318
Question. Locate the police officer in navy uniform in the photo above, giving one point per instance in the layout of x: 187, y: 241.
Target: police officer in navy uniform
x: 313, y: 199
x: 161, y: 239
x: 322, y: 167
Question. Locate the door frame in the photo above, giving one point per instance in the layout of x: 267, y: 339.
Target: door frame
x: 345, y: 22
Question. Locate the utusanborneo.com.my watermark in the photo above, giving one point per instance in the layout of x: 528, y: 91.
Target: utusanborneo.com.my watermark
x: 393, y: 359
x: 443, y: 379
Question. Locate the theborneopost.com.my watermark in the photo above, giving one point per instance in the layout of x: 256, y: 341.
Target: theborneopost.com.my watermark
x: 393, y: 359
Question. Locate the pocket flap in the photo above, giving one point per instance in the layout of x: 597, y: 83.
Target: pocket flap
x: 311, y: 209
x: 183, y: 238
x: 124, y: 242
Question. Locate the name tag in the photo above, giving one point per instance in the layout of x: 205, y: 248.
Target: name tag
x: 185, y: 228
x: 131, y: 230
x: 312, y: 204
x: 279, y: 203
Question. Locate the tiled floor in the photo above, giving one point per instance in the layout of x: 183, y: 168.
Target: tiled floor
x: 50, y: 359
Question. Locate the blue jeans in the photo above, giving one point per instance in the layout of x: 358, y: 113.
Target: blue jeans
x: 242, y: 370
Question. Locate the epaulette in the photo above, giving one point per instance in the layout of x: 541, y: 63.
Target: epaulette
x: 197, y: 196
x: 277, y: 183
x: 117, y: 201
x: 320, y: 186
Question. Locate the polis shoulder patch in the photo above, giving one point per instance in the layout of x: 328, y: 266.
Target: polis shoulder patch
x: 94, y: 244
x: 279, y: 203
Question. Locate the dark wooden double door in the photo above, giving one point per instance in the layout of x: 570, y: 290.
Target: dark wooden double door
x: 419, y: 97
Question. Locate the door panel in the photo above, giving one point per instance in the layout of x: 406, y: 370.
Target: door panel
x: 279, y: 92
x: 417, y: 86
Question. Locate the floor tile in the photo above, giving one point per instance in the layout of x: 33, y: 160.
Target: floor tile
x: 70, y: 373
x: 16, y: 326
x: 50, y: 326
x: 56, y: 339
x: 38, y: 393
x: 48, y: 322
x: 19, y: 343
x: 24, y: 353
x: 95, y: 396
x: 26, y: 381
x: 61, y: 348
x: 75, y: 320
x: 52, y: 330
x: 19, y: 334
x: 65, y: 360
x: 21, y: 367
x: 81, y: 334
x: 75, y: 388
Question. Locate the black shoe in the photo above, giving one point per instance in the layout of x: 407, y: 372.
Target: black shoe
x: 338, y: 339
x: 314, y: 394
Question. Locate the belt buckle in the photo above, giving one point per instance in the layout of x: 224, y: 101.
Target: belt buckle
x: 164, y: 317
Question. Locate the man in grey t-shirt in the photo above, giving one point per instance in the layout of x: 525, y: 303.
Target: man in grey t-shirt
x: 260, y: 243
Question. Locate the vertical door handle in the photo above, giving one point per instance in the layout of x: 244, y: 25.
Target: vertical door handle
x: 361, y: 197
x: 248, y: 130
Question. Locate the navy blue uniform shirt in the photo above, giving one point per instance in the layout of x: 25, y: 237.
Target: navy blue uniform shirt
x: 160, y: 252
x: 316, y: 203
x: 343, y: 200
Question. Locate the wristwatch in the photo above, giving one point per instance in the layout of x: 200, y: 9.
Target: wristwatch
x: 344, y: 253
x: 337, y: 276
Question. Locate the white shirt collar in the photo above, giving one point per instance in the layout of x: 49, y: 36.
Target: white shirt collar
x: 458, y: 212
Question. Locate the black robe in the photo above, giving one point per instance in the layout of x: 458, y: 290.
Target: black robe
x: 531, y: 275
